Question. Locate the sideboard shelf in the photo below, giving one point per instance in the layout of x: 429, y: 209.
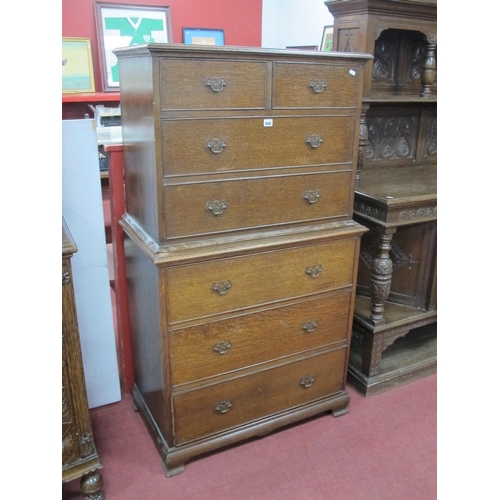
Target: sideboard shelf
x: 76, y: 106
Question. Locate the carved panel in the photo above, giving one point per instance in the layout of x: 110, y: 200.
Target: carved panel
x: 348, y: 40
x: 391, y: 137
x: 69, y: 443
x: 417, y: 52
x: 385, y: 59
x: 398, y: 59
x: 430, y: 150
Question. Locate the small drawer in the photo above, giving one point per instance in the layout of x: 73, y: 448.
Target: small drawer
x: 222, y: 346
x: 302, y: 85
x: 214, y: 287
x: 204, y: 85
x: 219, y: 407
x: 234, y: 144
x: 214, y: 207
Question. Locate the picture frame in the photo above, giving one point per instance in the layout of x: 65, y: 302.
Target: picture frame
x: 302, y: 47
x: 123, y: 25
x: 327, y: 39
x: 202, y: 36
x: 77, y: 66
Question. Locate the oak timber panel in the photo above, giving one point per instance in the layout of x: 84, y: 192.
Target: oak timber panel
x: 256, y: 338
x: 258, y: 278
x: 257, y: 395
x: 299, y: 85
x: 255, y: 202
x: 184, y: 85
x: 250, y: 144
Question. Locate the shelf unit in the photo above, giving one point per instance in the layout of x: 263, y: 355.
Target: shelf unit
x: 395, y: 194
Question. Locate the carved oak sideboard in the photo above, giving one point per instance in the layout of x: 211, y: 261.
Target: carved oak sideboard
x: 395, y: 318
x: 79, y: 455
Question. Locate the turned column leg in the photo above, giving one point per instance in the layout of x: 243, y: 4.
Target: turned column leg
x: 363, y: 141
x: 91, y: 485
x: 428, y: 72
x: 381, y: 276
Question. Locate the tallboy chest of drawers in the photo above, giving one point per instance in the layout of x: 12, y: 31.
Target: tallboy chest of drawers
x: 241, y: 249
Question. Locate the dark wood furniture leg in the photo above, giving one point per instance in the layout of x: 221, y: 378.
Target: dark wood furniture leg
x: 381, y: 275
x: 91, y: 485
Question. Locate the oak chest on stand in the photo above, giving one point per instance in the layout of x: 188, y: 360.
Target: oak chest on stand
x: 241, y: 248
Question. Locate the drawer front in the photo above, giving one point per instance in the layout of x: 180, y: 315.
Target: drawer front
x: 202, y: 412
x: 233, y: 144
x: 197, y: 85
x: 205, y: 289
x: 222, y: 346
x: 204, y: 208
x: 297, y: 85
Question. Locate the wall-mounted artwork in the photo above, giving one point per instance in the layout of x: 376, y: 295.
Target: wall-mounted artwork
x: 125, y: 25
x: 202, y: 36
x: 327, y: 40
x: 77, y: 67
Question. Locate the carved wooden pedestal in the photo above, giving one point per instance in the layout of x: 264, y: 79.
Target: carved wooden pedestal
x: 79, y: 455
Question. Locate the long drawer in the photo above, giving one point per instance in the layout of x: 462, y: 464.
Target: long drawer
x: 211, y: 207
x: 195, y: 146
x: 222, y: 346
x: 205, y: 289
x: 212, y: 409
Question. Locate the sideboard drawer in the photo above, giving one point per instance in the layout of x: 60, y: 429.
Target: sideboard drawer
x: 212, y: 207
x: 205, y: 289
x: 202, y: 412
x: 222, y: 346
x: 209, y: 84
x: 233, y: 144
x: 298, y: 85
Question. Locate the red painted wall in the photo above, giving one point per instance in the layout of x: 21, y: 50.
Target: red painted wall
x: 240, y: 20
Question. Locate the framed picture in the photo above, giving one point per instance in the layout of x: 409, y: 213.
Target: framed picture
x: 302, y: 47
x: 202, y: 36
x: 327, y: 40
x: 125, y: 25
x: 77, y: 67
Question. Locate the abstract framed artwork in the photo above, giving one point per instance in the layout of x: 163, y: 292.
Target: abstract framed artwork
x: 202, y: 36
x: 77, y: 66
x: 123, y: 25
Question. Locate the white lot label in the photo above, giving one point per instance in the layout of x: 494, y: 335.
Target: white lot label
x: 268, y: 122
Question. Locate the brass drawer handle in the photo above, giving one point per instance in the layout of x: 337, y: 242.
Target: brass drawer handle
x: 312, y: 196
x: 310, y: 327
x: 223, y: 406
x: 215, y: 83
x: 216, y: 206
x: 314, y: 140
x: 314, y: 271
x: 215, y: 145
x: 222, y: 347
x: 317, y: 85
x: 222, y: 288
x: 306, y: 382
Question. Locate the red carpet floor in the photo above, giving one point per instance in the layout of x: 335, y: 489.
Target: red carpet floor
x: 383, y: 449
